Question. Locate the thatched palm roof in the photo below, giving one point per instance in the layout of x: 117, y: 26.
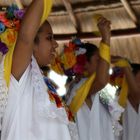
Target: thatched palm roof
x: 76, y: 17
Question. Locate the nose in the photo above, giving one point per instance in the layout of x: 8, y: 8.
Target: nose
x: 55, y: 44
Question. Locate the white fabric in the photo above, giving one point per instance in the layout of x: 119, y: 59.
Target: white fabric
x: 94, y: 124
x: 131, y: 123
x: 30, y: 115
x: 3, y: 92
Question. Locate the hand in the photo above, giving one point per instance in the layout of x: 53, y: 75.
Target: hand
x: 105, y: 29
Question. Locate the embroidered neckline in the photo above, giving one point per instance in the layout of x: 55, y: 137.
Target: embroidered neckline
x: 49, y: 105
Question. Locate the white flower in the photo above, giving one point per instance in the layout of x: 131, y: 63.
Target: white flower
x: 115, y: 110
x: 80, y: 51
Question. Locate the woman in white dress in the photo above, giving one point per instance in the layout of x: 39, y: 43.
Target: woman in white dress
x: 32, y: 113
x: 131, y: 116
x: 93, y: 121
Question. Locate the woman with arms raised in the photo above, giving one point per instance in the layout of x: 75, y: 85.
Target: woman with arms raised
x: 30, y: 113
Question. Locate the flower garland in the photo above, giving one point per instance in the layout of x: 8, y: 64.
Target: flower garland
x: 9, y: 25
x: 72, y: 59
x: 56, y: 99
x: 10, y: 19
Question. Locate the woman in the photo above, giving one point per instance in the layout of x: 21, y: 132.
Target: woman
x: 30, y: 113
x: 131, y: 116
x: 93, y: 121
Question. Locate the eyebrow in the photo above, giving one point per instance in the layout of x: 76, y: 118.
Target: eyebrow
x: 50, y: 34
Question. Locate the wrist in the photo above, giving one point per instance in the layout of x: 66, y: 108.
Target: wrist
x: 106, y: 41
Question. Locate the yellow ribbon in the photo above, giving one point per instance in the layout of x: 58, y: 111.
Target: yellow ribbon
x: 8, y: 57
x: 122, y: 63
x: 9, y: 38
x: 96, y: 18
x: 104, y: 51
x: 47, y: 10
x: 81, y: 94
x: 124, y: 87
x: 123, y: 93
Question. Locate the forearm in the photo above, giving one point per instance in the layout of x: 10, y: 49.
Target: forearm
x: 25, y: 41
x: 102, y: 73
x: 106, y: 40
x: 31, y: 22
x: 102, y: 77
x: 102, y: 69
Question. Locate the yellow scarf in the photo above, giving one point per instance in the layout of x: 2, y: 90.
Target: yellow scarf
x: 81, y: 94
x: 8, y: 57
x: 124, y: 87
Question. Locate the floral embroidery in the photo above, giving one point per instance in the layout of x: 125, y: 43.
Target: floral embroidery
x: 56, y: 99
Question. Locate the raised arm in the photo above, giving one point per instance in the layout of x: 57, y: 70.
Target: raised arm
x: 131, y: 78
x: 102, y: 71
x: 134, y: 89
x: 25, y: 40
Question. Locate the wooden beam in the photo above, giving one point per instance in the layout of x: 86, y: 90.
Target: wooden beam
x: 130, y: 11
x: 71, y: 14
x: 91, y: 36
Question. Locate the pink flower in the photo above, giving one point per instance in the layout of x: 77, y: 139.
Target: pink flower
x: 78, y: 69
x: 81, y: 59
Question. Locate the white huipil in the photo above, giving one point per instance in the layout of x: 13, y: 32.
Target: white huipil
x: 131, y: 123
x: 94, y: 124
x: 30, y: 115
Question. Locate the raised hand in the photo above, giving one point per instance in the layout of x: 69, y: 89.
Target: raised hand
x: 105, y: 29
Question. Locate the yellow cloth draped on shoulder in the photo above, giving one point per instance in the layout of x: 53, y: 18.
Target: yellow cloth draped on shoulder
x: 124, y: 87
x: 8, y: 57
x: 82, y: 92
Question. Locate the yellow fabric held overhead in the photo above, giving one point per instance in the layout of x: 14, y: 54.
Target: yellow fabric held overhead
x: 104, y: 51
x: 81, y: 94
x: 122, y: 63
x: 47, y: 10
x: 96, y: 18
x: 9, y: 55
x: 124, y: 88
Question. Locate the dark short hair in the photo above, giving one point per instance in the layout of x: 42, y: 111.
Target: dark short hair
x: 36, y: 40
x: 135, y: 68
x: 91, y: 49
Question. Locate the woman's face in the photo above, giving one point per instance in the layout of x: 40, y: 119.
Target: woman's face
x: 45, y: 50
x: 91, y: 65
x: 137, y: 78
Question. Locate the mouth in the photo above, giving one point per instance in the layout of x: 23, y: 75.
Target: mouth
x: 54, y: 54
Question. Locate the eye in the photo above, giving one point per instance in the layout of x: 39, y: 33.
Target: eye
x: 49, y: 37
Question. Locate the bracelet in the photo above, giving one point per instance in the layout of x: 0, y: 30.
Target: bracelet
x: 104, y: 52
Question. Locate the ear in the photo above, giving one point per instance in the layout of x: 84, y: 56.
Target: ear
x: 35, y: 50
x: 137, y: 77
x: 97, y: 56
